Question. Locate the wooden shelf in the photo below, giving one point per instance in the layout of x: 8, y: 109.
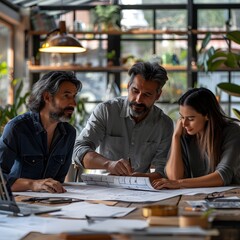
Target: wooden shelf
x: 118, y: 32
x: 195, y: 31
x: 41, y: 68
x: 137, y: 32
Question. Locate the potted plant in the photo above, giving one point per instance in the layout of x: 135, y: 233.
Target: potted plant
x: 106, y: 17
x: 110, y: 57
x: 212, y: 59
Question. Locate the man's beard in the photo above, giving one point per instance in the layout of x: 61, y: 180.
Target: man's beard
x: 59, y: 115
x: 140, y: 110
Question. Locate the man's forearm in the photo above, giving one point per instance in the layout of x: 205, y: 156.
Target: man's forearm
x: 22, y: 184
x: 93, y: 160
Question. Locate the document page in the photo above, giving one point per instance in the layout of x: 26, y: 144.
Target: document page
x: 130, y: 182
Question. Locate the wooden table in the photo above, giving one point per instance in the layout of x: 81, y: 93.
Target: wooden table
x: 226, y: 221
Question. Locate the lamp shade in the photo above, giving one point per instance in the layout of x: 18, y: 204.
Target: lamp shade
x: 62, y: 42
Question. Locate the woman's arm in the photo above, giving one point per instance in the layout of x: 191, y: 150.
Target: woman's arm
x: 175, y: 165
x: 211, y: 180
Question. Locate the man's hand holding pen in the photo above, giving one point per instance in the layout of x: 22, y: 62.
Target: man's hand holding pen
x: 121, y: 167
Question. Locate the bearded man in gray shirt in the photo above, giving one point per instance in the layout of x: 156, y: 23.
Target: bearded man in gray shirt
x: 133, y: 134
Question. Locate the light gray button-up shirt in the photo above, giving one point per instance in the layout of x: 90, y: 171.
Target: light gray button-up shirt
x: 111, y: 128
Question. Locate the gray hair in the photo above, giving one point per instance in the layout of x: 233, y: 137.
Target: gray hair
x: 50, y: 82
x: 150, y: 72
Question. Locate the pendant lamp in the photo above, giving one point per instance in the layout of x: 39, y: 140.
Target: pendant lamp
x: 62, y: 42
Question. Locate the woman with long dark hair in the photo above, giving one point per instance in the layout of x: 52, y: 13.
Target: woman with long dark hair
x: 205, y: 150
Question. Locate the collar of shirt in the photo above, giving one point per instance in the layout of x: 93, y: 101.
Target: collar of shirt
x: 39, y: 128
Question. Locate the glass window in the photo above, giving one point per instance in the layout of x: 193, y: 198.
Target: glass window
x: 136, y: 19
x: 94, y: 85
x: 211, y: 80
x: 95, y: 55
x: 235, y: 19
x: 235, y: 79
x: 215, y: 1
x: 172, y: 90
x: 5, y: 63
x: 174, y: 87
x: 213, y: 19
x: 137, y: 49
x: 172, y: 52
x: 126, y: 2
x: 171, y: 19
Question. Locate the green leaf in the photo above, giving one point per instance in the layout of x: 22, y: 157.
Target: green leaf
x: 216, y: 64
x: 230, y: 88
x: 3, y: 68
x: 204, y: 58
x: 234, y: 36
x: 205, y: 41
x: 236, y: 112
x: 232, y: 60
x: 216, y: 60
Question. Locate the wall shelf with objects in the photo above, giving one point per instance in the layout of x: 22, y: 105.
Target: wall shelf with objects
x: 118, y: 32
x: 41, y: 68
x: 168, y: 33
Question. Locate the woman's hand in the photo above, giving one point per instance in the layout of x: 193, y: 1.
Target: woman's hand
x: 163, y: 183
x: 178, y: 129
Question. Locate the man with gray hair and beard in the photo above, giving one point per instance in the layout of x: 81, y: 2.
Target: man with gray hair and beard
x: 36, y: 147
x: 131, y: 132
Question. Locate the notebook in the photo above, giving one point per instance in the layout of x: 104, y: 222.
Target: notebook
x: 9, y: 205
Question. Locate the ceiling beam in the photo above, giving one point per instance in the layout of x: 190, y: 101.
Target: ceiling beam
x: 9, y: 14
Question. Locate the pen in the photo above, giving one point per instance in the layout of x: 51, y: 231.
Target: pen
x: 129, y: 159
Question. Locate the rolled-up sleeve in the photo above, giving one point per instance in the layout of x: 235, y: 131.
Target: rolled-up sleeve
x: 91, y: 136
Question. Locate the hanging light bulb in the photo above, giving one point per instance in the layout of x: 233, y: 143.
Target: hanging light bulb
x: 62, y: 42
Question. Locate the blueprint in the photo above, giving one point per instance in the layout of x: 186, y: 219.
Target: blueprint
x: 130, y: 182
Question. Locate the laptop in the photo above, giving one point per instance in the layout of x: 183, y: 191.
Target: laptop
x: 8, y: 204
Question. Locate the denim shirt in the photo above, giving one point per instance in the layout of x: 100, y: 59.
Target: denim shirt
x: 111, y: 129
x: 24, y: 152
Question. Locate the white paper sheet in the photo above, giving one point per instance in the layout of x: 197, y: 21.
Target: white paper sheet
x: 7, y: 234
x: 117, y: 226
x: 92, y: 192
x: 81, y: 209
x: 46, y: 225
